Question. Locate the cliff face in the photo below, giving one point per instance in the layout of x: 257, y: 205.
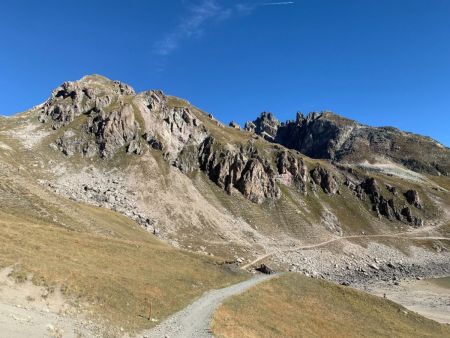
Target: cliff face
x: 99, y: 117
x: 109, y: 119
x: 330, y: 136
x: 242, y: 169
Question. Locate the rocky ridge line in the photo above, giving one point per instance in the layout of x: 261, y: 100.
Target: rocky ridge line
x: 326, y: 135
x: 113, y: 117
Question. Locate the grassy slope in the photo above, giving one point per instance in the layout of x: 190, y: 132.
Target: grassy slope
x: 296, y: 306
x: 103, y: 262
x: 111, y: 263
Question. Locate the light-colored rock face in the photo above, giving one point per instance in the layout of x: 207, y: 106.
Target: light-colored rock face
x: 72, y: 99
x: 113, y: 111
x: 110, y: 119
x: 257, y: 182
x: 182, y: 129
x: 113, y: 130
x: 292, y: 170
x: 169, y: 129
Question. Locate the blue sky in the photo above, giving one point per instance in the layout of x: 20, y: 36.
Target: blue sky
x: 377, y: 61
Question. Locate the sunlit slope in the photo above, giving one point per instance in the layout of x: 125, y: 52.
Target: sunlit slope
x: 295, y: 306
x: 105, y: 264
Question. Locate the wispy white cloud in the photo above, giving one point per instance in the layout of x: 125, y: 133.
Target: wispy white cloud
x: 247, y: 8
x: 281, y: 3
x: 199, y: 16
x: 192, y: 25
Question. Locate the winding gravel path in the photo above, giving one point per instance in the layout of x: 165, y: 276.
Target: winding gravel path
x: 194, y: 320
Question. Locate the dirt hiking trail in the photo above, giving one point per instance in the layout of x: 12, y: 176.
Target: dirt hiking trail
x: 194, y: 320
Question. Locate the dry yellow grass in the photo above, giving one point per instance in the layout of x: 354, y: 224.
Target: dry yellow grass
x: 104, y: 263
x: 296, y: 306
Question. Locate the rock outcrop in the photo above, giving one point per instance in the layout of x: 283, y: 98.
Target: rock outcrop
x: 323, y: 178
x: 312, y: 136
x: 173, y: 130
x: 242, y: 169
x: 265, y: 125
x: 412, y: 197
x: 110, y: 120
x: 114, y: 129
x: 234, y: 125
x: 386, y: 207
x: 329, y: 136
x: 72, y: 99
x: 292, y: 170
